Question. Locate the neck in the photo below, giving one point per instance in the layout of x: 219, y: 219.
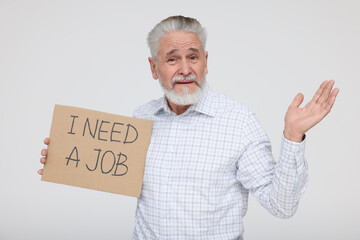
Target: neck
x: 177, y: 109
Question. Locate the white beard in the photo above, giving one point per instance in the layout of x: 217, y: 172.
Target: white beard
x: 185, y: 98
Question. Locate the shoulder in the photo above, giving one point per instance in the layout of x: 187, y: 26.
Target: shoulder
x: 226, y: 105
x: 244, y: 121
x: 148, y: 109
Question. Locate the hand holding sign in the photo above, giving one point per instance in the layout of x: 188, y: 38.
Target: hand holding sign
x: 96, y: 150
x: 44, y: 153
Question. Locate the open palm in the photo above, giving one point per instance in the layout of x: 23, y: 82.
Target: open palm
x: 299, y: 120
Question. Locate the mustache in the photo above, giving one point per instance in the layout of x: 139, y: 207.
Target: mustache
x: 191, y: 77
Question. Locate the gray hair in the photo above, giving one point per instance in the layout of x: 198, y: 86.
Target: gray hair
x: 174, y: 23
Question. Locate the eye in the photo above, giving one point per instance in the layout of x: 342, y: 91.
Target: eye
x: 171, y: 60
x: 193, y: 58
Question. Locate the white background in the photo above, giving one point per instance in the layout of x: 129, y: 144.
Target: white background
x: 93, y: 54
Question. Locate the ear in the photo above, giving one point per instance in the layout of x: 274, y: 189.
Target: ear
x: 153, y: 68
x: 206, y: 58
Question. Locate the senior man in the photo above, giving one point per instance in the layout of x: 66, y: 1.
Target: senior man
x: 207, y: 151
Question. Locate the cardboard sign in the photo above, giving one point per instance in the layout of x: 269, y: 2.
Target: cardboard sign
x: 97, y: 150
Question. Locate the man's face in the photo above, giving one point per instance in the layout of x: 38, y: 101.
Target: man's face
x: 180, y: 55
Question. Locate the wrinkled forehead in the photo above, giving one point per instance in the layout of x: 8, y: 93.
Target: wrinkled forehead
x: 180, y: 41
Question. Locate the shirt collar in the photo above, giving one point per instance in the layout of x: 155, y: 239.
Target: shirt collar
x: 205, y: 105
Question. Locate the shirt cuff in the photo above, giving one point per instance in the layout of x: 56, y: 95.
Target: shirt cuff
x: 293, y: 154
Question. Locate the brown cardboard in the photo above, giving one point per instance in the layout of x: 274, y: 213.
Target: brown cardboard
x: 80, y: 137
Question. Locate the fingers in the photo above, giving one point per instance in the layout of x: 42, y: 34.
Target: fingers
x: 298, y: 99
x: 44, y: 152
x: 331, y: 100
x: 43, y: 160
x: 319, y: 92
x: 47, y: 141
x: 326, y: 91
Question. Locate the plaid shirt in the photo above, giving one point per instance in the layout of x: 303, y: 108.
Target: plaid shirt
x: 201, y: 165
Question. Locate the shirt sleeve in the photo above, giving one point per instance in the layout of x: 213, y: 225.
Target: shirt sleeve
x: 278, y: 186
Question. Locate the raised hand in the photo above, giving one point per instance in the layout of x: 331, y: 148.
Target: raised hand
x: 299, y: 120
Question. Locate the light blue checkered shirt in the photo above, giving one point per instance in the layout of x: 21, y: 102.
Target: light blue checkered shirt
x: 201, y: 165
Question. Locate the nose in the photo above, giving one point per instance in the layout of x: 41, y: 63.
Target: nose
x: 185, y: 68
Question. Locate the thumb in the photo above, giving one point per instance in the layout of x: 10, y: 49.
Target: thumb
x: 298, y: 99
